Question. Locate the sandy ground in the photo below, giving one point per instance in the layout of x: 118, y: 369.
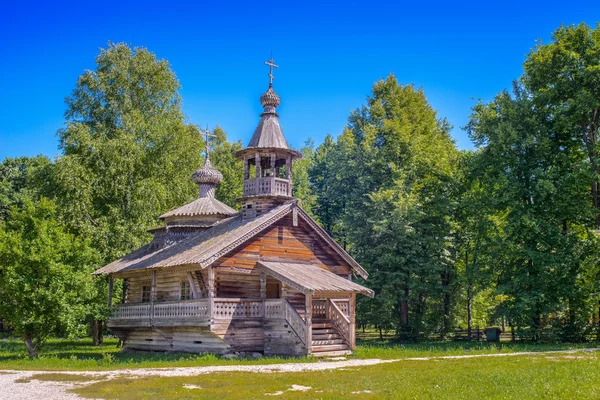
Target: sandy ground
x: 16, y: 385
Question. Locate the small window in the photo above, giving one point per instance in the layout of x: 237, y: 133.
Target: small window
x: 186, y: 293
x: 146, y: 294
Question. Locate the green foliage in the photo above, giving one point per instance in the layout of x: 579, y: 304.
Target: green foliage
x: 20, y: 178
x: 300, y: 179
x: 45, y: 274
x: 382, y: 189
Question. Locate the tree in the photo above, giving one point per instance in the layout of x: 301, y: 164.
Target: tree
x: 563, y: 79
x: 127, y: 156
x: 301, y: 185
x: 382, y: 188
x: 20, y: 178
x: 541, y: 189
x: 44, y: 274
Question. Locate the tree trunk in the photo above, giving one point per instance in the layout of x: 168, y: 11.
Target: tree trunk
x: 380, y: 333
x: 446, y: 305
x: 404, y: 313
x: 469, y: 312
x: 97, y: 338
x: 31, y: 347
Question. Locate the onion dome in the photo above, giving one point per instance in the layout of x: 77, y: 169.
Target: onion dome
x: 270, y: 100
x: 207, y: 174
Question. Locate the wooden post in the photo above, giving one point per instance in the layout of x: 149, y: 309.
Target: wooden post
x: 246, y: 171
x: 211, y: 294
x: 308, y: 320
x: 192, y: 286
x: 257, y: 166
x: 352, y: 311
x: 290, y: 175
x: 263, y: 286
x: 272, y: 169
x: 152, y: 296
x: 263, y: 291
x: 110, y: 291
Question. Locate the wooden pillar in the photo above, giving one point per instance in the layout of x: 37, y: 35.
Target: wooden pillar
x: 246, y: 170
x: 152, y: 295
x: 211, y: 294
x: 192, y: 286
x: 289, y: 173
x: 257, y: 162
x: 308, y: 320
x: 352, y: 311
x: 273, y: 159
x: 110, y: 291
x: 263, y: 286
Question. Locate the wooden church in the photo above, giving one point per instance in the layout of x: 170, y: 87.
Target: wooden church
x: 266, y: 279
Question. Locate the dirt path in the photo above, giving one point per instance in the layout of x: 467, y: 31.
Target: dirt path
x: 17, y: 385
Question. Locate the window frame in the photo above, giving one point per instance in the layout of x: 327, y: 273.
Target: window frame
x: 185, y: 286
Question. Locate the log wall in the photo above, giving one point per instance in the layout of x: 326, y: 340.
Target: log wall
x: 168, y: 285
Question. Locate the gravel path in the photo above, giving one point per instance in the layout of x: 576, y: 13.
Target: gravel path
x: 15, y: 385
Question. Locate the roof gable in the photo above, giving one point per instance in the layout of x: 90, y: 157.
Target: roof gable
x: 206, y: 247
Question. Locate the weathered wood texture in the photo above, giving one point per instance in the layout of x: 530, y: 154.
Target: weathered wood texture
x: 280, y: 339
x: 286, y: 243
x: 168, y: 285
x: 194, y: 340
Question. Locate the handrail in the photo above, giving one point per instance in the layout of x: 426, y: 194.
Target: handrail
x: 340, y: 322
x: 295, y: 321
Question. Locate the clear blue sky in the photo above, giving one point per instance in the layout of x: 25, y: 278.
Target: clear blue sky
x: 330, y: 53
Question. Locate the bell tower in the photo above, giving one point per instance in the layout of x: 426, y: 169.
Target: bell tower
x: 267, y: 159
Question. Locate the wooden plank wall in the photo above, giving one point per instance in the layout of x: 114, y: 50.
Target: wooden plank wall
x: 286, y: 243
x: 280, y: 339
x: 241, y: 334
x: 186, y: 339
x: 168, y: 285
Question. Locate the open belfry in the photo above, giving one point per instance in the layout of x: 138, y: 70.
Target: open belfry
x: 266, y: 279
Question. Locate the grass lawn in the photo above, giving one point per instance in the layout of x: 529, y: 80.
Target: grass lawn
x: 574, y: 376
x: 64, y: 355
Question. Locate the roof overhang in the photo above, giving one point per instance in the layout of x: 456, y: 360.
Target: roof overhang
x: 311, y: 278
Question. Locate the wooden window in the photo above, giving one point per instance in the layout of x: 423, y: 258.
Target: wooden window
x: 146, y: 294
x: 186, y: 291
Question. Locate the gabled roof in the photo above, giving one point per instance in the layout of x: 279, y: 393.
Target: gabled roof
x: 309, y: 278
x: 205, y: 247
x: 201, y: 206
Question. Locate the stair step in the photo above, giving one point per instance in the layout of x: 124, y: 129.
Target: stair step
x: 322, y: 325
x: 328, y: 336
x: 326, y: 342
x: 324, y: 331
x: 336, y: 353
x: 328, y: 347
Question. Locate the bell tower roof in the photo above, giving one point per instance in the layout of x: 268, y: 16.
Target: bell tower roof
x: 268, y: 134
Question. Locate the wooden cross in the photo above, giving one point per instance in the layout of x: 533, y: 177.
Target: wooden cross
x: 207, y: 135
x: 271, y: 64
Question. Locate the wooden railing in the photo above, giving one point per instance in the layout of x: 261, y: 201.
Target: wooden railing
x: 189, y: 309
x: 181, y: 309
x: 340, y: 322
x: 294, y: 320
x: 134, y: 311
x: 344, y: 306
x: 237, y: 308
x: 266, y: 185
x: 319, y: 309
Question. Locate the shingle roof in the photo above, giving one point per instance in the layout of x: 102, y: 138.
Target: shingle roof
x: 268, y: 134
x: 201, y: 206
x: 205, y: 247
x: 201, y: 248
x: 309, y: 278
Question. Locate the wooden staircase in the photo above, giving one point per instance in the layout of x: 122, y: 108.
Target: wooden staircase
x: 326, y: 342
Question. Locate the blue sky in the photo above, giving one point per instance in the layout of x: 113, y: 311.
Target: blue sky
x: 330, y: 54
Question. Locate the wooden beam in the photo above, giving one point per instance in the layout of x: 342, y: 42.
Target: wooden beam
x: 211, y: 294
x: 308, y: 320
x: 263, y: 286
x: 152, y: 296
x: 110, y: 290
x: 352, y: 311
x: 193, y: 285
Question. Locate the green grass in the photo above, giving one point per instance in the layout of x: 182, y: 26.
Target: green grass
x: 65, y: 355
x: 517, y: 377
